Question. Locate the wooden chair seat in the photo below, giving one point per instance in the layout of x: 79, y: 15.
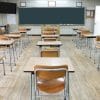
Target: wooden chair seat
x: 97, y: 38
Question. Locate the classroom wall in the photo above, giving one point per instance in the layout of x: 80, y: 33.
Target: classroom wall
x: 88, y: 4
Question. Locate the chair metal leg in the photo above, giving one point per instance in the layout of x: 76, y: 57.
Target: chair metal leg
x: 3, y: 67
x: 31, y: 86
x: 68, y: 88
x: 98, y: 62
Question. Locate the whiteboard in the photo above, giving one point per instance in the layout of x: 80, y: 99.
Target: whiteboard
x: 11, y: 18
x: 97, y: 21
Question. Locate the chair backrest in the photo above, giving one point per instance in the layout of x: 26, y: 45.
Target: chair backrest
x: 50, y: 53
x: 84, y: 32
x: 22, y: 29
x: 50, y: 79
x: 97, y: 38
x: 50, y: 29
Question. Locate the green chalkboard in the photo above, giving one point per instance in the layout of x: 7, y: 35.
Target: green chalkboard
x: 55, y: 15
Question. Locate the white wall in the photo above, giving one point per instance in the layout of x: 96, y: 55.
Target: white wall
x: 88, y: 4
x: 3, y: 19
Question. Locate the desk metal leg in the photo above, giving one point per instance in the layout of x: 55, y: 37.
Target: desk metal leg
x: 3, y: 67
x: 10, y: 58
x: 98, y: 67
x: 13, y: 54
x: 16, y: 51
x: 31, y: 86
x: 40, y: 47
x: 68, y: 88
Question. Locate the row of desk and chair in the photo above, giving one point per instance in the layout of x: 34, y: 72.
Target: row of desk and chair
x: 11, y: 46
x: 49, y: 72
x: 88, y: 42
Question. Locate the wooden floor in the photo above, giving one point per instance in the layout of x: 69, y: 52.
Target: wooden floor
x: 84, y: 83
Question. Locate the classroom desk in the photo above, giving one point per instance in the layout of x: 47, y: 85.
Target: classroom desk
x: 88, y: 42
x: 88, y: 37
x: 49, y: 43
x: 14, y: 36
x: 14, y: 32
x: 17, y: 37
x: 23, y: 31
x: 48, y: 61
x: 50, y: 36
x: 9, y: 44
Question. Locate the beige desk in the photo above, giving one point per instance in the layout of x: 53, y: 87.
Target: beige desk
x: 9, y: 44
x: 49, y: 43
x: 89, y: 35
x: 23, y: 31
x: 48, y: 61
x: 6, y: 42
x: 15, y: 32
x: 14, y: 36
x: 17, y: 37
x: 50, y: 36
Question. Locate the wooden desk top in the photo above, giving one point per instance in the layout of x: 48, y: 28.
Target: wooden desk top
x: 16, y: 32
x: 47, y: 43
x: 24, y: 31
x: 89, y: 35
x: 78, y: 31
x: 6, y: 42
x: 48, y: 61
x: 50, y: 35
x: 13, y: 35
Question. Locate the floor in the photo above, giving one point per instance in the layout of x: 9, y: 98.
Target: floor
x: 84, y: 83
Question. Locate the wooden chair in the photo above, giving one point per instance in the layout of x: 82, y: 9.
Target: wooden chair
x: 51, y: 80
x: 84, y: 32
x: 2, y: 62
x: 49, y: 53
x: 50, y: 29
